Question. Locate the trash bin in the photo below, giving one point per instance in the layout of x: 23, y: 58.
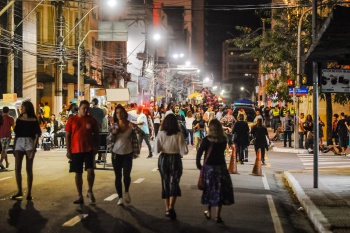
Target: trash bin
x: 47, y: 146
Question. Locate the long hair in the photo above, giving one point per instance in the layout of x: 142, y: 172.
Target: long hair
x: 29, y: 109
x: 259, y: 123
x: 115, y: 119
x: 170, y: 125
x: 216, y: 133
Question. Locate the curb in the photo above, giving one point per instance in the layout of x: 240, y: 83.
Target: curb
x: 315, y: 215
x: 290, y: 150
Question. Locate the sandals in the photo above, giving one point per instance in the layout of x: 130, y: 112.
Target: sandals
x: 17, y: 196
x: 172, y: 214
x: 207, y: 214
x: 218, y: 220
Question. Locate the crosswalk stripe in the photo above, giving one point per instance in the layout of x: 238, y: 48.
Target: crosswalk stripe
x: 74, y: 220
x: 111, y: 197
x: 139, y: 180
x: 335, y: 162
x: 154, y: 169
x: 6, y: 178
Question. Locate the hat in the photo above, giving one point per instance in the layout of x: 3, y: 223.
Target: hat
x: 94, y: 101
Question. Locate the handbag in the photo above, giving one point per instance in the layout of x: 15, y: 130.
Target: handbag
x: 200, y: 183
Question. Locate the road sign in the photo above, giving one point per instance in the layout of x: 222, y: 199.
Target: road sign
x: 299, y: 91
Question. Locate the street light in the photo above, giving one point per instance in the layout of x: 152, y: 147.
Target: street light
x: 243, y: 89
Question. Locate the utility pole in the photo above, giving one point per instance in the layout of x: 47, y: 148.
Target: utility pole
x: 263, y: 76
x: 59, y: 63
x: 11, y: 56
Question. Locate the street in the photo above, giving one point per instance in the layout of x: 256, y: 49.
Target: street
x: 262, y: 204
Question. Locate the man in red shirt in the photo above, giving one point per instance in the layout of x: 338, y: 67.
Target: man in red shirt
x: 82, y: 140
x: 5, y: 135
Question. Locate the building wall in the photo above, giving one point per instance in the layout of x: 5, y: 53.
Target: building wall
x: 198, y: 33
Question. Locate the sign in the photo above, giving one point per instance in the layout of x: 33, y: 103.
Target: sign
x: 76, y: 93
x: 112, y: 31
x: 64, y: 86
x: 299, y: 91
x: 335, y: 81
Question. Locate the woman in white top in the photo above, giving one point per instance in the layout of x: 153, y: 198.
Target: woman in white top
x: 122, y: 140
x: 189, y: 120
x: 172, y: 145
x: 157, y: 116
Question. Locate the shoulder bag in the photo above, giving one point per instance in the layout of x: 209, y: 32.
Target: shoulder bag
x: 200, y: 183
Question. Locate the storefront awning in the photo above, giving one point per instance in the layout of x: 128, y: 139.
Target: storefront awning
x: 69, y: 78
x: 333, y: 40
x: 44, y: 77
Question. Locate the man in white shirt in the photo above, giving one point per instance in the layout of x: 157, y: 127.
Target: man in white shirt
x: 258, y: 116
x: 132, y: 114
x: 142, y: 122
x: 219, y: 114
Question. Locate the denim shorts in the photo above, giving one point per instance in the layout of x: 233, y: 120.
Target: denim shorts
x: 25, y: 144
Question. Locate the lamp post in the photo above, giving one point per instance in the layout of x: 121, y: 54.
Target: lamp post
x: 243, y: 89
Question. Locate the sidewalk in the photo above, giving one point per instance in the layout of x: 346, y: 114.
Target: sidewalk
x: 328, y: 206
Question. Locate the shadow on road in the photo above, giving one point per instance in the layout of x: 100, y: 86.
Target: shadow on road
x: 26, y: 220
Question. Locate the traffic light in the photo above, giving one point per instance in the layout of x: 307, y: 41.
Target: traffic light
x: 291, y: 83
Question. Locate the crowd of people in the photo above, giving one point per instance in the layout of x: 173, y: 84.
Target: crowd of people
x: 210, y: 130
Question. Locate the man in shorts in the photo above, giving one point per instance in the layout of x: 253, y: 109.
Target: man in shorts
x: 5, y: 135
x: 82, y: 140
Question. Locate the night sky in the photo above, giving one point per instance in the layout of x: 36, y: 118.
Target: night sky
x: 220, y: 26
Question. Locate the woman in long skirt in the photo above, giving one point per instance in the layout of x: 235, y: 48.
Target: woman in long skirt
x: 218, y: 188
x: 172, y: 145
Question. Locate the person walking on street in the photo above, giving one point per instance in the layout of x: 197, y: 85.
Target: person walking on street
x: 27, y: 132
x: 96, y: 112
x: 321, y: 134
x: 261, y: 135
x: 275, y: 118
x: 6, y: 122
x: 287, y: 129
x: 157, y: 117
x: 227, y: 122
x: 123, y: 143
x: 189, y: 121
x: 172, y: 146
x: 343, y: 133
x: 218, y: 188
x: 335, y: 130
x: 198, y: 129
x: 241, y: 136
x: 142, y: 123
x: 82, y: 142
x: 301, y: 130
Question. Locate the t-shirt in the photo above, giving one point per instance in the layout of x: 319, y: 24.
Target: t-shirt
x: 144, y: 127
x: 82, y: 130
x: 5, y: 129
x: 46, y: 111
x: 189, y: 122
x: 25, y: 128
x: 288, y: 123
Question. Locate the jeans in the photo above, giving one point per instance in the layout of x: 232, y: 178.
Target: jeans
x: 262, y: 150
x: 301, y: 140
x: 190, y: 132
x: 146, y: 138
x: 275, y: 123
x: 122, y: 163
x: 240, y: 152
x: 287, y: 134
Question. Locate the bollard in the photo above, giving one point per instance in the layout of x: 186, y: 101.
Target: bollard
x: 257, y: 166
x: 232, y: 167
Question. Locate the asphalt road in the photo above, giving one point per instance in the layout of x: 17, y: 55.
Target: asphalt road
x: 262, y: 204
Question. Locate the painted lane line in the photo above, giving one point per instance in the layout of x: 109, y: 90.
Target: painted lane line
x: 74, y: 220
x: 6, y: 178
x: 154, y: 169
x: 266, y: 184
x: 324, y: 163
x: 340, y: 166
x: 111, y: 197
x: 139, y: 180
x: 274, y: 215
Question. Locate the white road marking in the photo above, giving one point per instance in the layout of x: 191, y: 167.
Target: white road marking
x: 40, y: 168
x: 139, y: 180
x: 6, y: 178
x: 324, y: 163
x: 266, y: 184
x: 74, y: 220
x: 274, y: 215
x: 154, y: 169
x: 111, y: 197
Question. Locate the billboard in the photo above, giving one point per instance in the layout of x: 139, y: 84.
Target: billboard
x: 335, y: 81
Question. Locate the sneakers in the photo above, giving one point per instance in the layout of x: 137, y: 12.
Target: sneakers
x: 80, y: 200
x: 150, y: 156
x: 127, y: 198
x: 120, y: 201
x: 245, y: 160
x: 91, y: 197
x: 2, y: 166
